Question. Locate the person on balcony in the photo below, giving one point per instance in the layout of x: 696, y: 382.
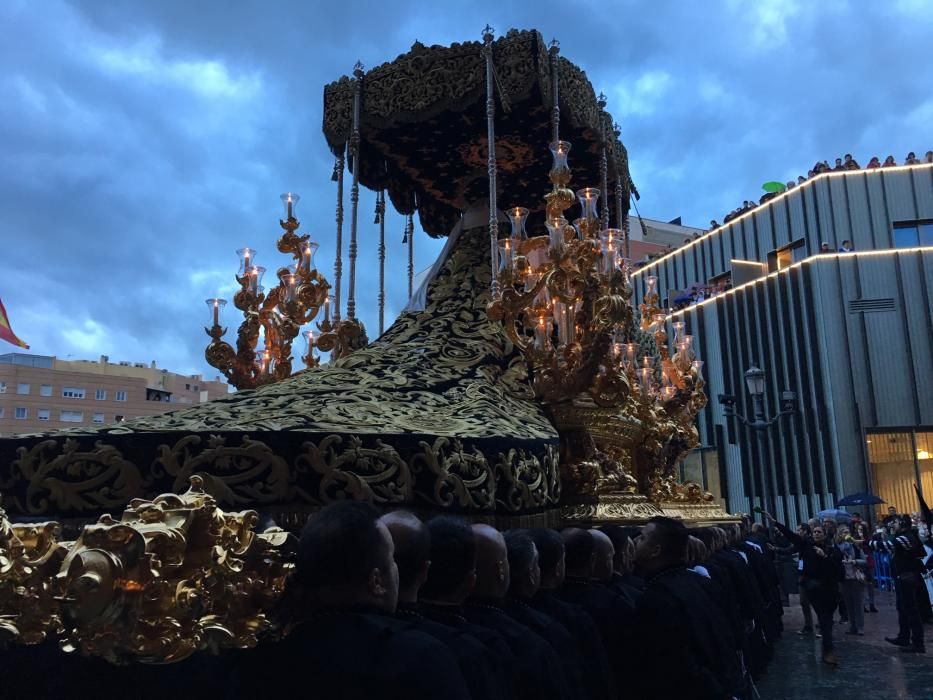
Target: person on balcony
x: 850, y: 163
x: 846, y: 246
x: 874, y: 163
x: 824, y: 248
x: 839, y: 167
x: 889, y: 162
x: 911, y: 159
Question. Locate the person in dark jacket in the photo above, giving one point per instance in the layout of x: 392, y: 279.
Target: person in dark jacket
x: 822, y: 573
x: 551, y: 563
x: 684, y: 644
x: 906, y: 566
x: 539, y: 667
x: 412, y: 551
x: 349, y: 643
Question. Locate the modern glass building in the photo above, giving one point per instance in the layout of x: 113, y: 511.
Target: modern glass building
x: 850, y: 332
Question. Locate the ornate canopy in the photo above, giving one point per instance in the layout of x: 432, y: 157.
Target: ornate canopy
x: 423, y: 127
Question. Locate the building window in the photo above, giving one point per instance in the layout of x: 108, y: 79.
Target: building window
x: 196, y: 387
x: 100, y: 395
x: 2, y: 387
x: 98, y: 418
x: 787, y: 256
x: 72, y: 392
x: 22, y: 388
x: 121, y: 396
x: 187, y: 387
x: 118, y: 418
x: 71, y: 416
x: 45, y: 390
x: 910, y: 234
x: 43, y: 414
x: 21, y: 413
x: 1, y: 411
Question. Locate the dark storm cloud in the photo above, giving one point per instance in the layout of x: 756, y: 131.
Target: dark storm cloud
x: 141, y: 143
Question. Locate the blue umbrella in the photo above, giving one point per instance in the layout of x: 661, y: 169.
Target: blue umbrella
x: 840, y: 516
x: 860, y: 499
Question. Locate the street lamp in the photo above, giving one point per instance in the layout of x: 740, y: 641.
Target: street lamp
x: 760, y: 423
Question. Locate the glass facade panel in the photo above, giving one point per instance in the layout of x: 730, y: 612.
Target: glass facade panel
x: 926, y: 233
x: 898, y: 461
x: 905, y: 236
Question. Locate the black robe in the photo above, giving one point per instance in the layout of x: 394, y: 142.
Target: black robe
x: 353, y: 655
x: 597, y: 675
x: 560, y: 639
x: 537, y: 664
x: 684, y: 643
x: 477, y: 662
x: 503, y: 658
x: 613, y: 614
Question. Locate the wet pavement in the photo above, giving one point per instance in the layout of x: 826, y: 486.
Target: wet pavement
x: 869, y: 668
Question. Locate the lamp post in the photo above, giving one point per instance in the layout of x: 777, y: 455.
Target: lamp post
x: 760, y: 423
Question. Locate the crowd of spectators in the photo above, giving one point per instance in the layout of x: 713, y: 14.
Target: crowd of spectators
x: 841, y: 164
x: 834, y: 570
x: 392, y: 606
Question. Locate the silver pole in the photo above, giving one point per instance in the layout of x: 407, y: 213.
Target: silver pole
x: 355, y: 187
x: 491, y: 165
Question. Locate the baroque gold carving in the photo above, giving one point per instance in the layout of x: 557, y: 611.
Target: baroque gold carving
x: 62, y: 476
x: 250, y: 472
x: 377, y: 474
x: 174, y: 575
x: 30, y: 555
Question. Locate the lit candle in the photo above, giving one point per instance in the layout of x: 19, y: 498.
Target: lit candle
x: 216, y: 313
x: 327, y: 310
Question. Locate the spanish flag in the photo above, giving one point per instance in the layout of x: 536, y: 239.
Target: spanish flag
x: 6, y: 333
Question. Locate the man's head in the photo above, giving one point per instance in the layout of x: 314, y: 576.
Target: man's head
x: 492, y: 563
x: 551, y: 562
x: 848, y: 157
x: 524, y: 571
x: 847, y: 243
x: 856, y: 517
x: 892, y: 510
x: 818, y: 534
x: 604, y: 563
x: 662, y: 545
x: 839, y: 160
x: 903, y: 523
x: 696, y: 551
x: 824, y: 245
x: 624, y: 547
x: 345, y: 557
x: 412, y: 552
x: 580, y: 552
x: 911, y: 156
x: 453, y: 561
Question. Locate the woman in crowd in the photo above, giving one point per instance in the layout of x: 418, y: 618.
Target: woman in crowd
x: 822, y: 572
x: 853, y: 585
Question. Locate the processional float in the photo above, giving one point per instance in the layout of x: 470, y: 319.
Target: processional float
x: 523, y: 390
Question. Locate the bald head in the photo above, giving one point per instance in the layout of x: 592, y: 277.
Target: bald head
x: 604, y: 556
x: 412, y: 551
x: 492, y: 563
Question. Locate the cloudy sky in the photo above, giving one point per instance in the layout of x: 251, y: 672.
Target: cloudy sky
x: 141, y: 143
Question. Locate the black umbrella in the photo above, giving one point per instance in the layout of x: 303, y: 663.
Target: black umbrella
x: 860, y: 499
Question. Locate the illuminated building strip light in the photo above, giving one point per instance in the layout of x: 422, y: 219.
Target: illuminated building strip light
x: 813, y: 258
x: 760, y: 207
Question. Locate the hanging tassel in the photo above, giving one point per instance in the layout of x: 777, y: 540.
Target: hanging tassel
x: 405, y: 237
x: 336, y: 174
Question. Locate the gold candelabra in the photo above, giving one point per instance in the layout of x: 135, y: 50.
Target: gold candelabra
x: 624, y: 410
x: 294, y: 302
